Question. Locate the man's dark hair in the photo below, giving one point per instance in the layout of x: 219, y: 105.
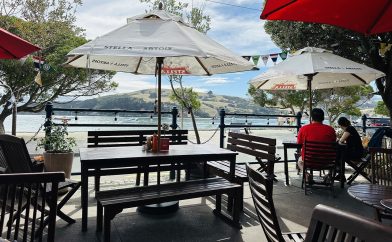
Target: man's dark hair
x: 317, y: 115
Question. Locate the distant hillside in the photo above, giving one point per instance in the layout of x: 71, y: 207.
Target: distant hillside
x: 144, y: 100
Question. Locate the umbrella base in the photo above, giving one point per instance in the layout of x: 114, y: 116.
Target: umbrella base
x: 160, y: 208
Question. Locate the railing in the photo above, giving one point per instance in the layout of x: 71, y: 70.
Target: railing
x: 365, y: 125
x: 174, y: 115
x: 49, y: 109
x: 223, y: 125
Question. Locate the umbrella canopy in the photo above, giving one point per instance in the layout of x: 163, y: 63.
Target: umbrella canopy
x: 14, y: 47
x: 132, y: 48
x: 315, y: 68
x: 157, y: 43
x: 364, y: 16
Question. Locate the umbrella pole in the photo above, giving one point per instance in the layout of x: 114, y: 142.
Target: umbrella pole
x: 159, y: 63
x: 310, y: 77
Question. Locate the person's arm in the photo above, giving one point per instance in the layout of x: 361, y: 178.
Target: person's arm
x: 300, y: 137
x: 344, y: 137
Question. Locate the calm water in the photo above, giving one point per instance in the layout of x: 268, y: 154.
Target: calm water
x: 31, y: 123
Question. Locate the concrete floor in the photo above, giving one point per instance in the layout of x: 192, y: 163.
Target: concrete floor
x: 194, y: 221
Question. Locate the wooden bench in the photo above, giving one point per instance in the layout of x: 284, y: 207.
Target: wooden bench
x: 261, y: 148
x: 115, y: 138
x: 110, y: 203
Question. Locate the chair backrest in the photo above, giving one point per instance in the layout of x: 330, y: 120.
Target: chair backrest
x: 319, y: 154
x: 261, y: 189
x: 14, y: 153
x: 381, y: 165
x: 329, y: 225
x: 21, y: 200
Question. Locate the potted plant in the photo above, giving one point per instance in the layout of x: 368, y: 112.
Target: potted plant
x: 58, y: 155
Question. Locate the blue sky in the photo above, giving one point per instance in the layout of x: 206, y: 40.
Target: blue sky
x: 238, y: 29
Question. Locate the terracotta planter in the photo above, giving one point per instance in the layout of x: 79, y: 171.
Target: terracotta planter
x: 59, y: 162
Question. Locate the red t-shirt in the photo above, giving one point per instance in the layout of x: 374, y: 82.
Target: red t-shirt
x: 316, y: 132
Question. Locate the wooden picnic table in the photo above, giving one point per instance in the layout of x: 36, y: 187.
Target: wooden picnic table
x: 95, y: 160
x: 371, y: 194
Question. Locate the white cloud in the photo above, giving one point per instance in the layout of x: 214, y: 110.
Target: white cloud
x: 216, y: 81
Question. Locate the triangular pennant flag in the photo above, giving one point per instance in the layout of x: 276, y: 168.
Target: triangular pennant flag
x: 38, y: 79
x: 255, y: 59
x: 384, y: 48
x: 38, y: 62
x: 265, y: 59
x: 274, y: 58
x: 283, y: 55
x: 246, y: 58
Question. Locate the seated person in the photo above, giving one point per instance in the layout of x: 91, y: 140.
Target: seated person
x: 315, y: 131
x: 352, y: 139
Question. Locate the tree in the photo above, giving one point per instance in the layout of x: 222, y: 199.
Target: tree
x: 381, y: 109
x: 293, y: 100
x: 50, y: 25
x: 345, y: 100
x: 348, y: 44
x: 185, y: 96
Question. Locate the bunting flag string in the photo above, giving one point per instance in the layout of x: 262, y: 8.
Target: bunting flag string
x: 274, y: 57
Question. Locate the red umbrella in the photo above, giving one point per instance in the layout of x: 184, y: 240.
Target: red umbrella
x: 14, y: 47
x: 364, y: 16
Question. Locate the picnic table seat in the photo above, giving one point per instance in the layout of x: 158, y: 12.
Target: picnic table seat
x: 262, y: 149
x: 112, y: 202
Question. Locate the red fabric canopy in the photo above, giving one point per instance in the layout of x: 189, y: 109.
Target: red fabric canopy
x: 14, y: 47
x: 364, y: 16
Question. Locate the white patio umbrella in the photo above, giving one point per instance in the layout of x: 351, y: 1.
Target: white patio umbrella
x: 315, y: 68
x: 157, y: 43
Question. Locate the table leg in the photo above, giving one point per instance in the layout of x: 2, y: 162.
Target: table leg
x: 286, y: 166
x: 342, y: 170
x: 232, y: 169
x: 84, y: 196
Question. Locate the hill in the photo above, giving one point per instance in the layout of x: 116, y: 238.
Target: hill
x: 144, y: 100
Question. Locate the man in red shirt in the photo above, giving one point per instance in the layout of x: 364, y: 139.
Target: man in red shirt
x: 315, y: 131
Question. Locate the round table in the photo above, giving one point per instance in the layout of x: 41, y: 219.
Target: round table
x: 371, y: 194
x: 387, y: 203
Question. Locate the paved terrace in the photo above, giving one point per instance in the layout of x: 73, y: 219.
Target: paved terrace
x: 194, y: 221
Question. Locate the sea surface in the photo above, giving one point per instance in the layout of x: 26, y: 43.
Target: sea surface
x: 31, y: 123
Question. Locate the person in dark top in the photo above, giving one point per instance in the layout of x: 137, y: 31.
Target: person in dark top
x: 352, y: 139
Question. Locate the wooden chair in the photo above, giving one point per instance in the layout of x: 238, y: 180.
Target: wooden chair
x: 319, y: 156
x: 15, y: 155
x: 261, y: 189
x: 381, y: 166
x: 329, y: 224
x: 21, y: 203
x: 381, y: 172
